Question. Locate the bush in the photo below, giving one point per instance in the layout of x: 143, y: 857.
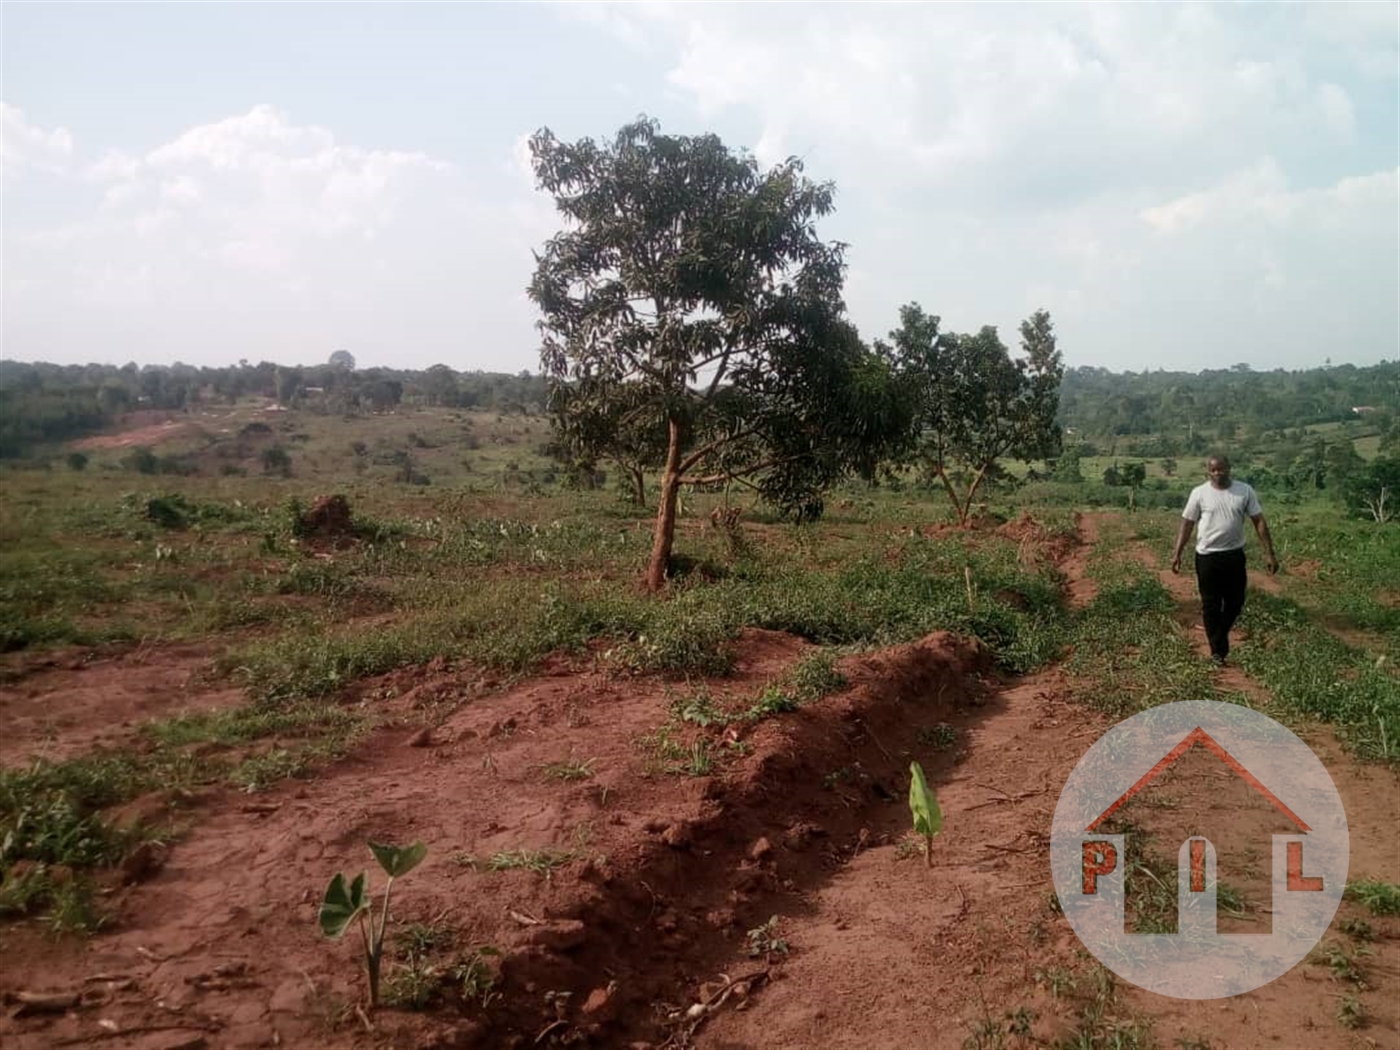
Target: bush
x: 77, y: 461
x: 276, y: 461
x: 142, y: 460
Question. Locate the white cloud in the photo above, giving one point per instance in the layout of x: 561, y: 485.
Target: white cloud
x: 1135, y: 168
x: 259, y: 235
x: 26, y: 146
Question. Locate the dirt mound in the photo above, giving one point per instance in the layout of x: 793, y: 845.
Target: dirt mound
x: 653, y: 875
x: 1036, y: 541
x: 328, y: 518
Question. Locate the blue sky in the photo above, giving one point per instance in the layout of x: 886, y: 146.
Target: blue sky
x: 1182, y: 186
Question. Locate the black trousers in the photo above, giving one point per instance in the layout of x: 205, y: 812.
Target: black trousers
x: 1221, y: 580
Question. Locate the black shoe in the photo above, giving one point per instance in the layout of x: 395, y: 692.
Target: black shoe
x: 1217, y: 659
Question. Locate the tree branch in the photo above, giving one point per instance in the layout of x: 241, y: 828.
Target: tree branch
x: 700, y: 453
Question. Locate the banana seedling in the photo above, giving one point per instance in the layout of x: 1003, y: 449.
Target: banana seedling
x: 923, y: 805
x: 344, y: 904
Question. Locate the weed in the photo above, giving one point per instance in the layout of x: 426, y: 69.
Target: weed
x: 764, y: 940
x: 1342, y: 964
x: 1351, y: 1013
x: 986, y: 1034
x: 419, y: 938
x: 1057, y: 980
x: 1379, y: 898
x: 837, y: 776
x: 814, y: 676
x: 1357, y: 929
x: 72, y: 908
x: 700, y: 761
x: 414, y: 985
x: 474, y: 978
x: 541, y: 861
x: 907, y: 847
x: 569, y: 770
x: 1100, y: 1027
x: 1193, y: 1042
x: 699, y: 709
x: 1020, y: 1020
x: 940, y: 737
x: 771, y: 701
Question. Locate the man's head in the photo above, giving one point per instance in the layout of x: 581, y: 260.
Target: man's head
x: 1218, y: 469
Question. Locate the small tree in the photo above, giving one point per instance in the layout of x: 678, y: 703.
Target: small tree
x: 689, y: 294
x: 1375, y: 492
x: 976, y: 403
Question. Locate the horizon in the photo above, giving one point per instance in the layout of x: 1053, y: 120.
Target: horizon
x: 198, y: 176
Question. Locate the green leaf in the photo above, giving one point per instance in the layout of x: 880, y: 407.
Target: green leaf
x: 398, y: 860
x: 928, y: 817
x: 342, y: 906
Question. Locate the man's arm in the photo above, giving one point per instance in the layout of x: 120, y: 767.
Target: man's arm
x: 1262, y: 528
x: 1182, y: 535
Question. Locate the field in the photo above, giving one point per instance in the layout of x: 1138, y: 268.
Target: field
x: 649, y: 822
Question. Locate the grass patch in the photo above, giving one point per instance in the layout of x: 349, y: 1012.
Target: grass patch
x: 568, y: 770
x: 1379, y: 898
x: 1313, y: 673
x: 540, y: 861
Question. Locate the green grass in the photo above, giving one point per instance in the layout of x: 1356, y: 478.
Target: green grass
x: 1379, y: 898
x: 1313, y: 673
x: 1126, y: 646
x: 540, y: 861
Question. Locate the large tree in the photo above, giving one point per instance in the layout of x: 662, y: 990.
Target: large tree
x: 976, y: 403
x: 689, y: 291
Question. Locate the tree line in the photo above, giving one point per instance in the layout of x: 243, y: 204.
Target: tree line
x: 45, y: 403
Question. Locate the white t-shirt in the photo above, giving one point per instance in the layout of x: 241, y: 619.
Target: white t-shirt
x: 1221, y: 513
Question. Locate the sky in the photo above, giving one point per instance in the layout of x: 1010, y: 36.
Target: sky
x: 1183, y: 186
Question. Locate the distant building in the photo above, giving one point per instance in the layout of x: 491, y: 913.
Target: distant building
x: 1362, y: 410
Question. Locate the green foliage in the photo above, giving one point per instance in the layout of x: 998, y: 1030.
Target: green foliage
x: 1377, y: 897
x: 1357, y: 929
x: 975, y: 404
x: 923, y: 806
x: 1312, y: 672
x: 741, y: 366
x: 1351, y: 1013
x: 764, y: 941
x: 540, y: 861
x: 344, y: 903
x: 276, y: 460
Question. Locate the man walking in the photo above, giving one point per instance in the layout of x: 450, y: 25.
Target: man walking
x: 1220, y: 506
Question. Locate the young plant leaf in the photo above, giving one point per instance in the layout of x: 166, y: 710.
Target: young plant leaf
x: 342, y: 906
x: 928, y: 817
x: 398, y: 860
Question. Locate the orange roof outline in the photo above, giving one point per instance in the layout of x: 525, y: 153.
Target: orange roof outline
x: 1198, y: 736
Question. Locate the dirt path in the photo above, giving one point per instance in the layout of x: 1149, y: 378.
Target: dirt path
x: 80, y: 705
x: 937, y: 957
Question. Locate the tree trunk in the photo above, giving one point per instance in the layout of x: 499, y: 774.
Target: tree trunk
x: 666, y: 513
x: 952, y: 496
x: 639, y: 486
x: 965, y: 511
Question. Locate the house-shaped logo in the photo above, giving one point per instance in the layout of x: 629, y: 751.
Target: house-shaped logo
x: 1197, y: 861
x: 1308, y: 853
